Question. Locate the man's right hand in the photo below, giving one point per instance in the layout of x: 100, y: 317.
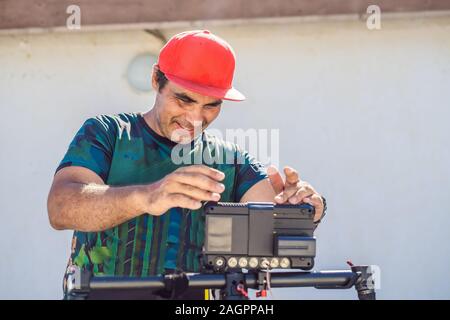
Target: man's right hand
x: 186, y: 187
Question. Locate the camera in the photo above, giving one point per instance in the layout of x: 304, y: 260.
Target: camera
x: 258, y: 235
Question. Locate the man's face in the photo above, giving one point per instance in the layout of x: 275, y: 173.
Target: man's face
x: 181, y: 114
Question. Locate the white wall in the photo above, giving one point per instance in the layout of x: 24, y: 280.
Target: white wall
x: 362, y: 115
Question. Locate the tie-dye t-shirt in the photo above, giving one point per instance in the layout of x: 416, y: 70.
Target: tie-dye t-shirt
x: 123, y: 150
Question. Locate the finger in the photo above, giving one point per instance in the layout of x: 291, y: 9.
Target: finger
x: 199, y: 180
x: 183, y: 201
x: 292, y: 177
x: 285, y: 195
x: 201, y: 168
x: 303, y: 192
x: 275, y: 179
x: 316, y: 201
x: 193, y: 192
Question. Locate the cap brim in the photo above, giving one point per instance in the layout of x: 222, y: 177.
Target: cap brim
x: 226, y: 94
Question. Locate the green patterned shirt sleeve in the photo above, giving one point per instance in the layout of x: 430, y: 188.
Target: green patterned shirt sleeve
x: 92, y: 147
x: 249, y: 171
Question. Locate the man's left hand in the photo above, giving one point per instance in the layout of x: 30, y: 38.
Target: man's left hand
x: 293, y: 190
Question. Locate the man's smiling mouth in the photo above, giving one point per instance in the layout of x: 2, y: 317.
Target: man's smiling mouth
x: 189, y: 129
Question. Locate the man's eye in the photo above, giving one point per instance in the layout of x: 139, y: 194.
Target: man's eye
x: 211, y: 107
x: 184, y: 101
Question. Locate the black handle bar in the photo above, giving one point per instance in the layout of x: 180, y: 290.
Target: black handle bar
x: 81, y: 282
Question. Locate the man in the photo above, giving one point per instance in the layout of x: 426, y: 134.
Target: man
x: 136, y: 211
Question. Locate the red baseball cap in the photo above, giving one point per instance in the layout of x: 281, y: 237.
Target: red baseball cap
x: 201, y: 62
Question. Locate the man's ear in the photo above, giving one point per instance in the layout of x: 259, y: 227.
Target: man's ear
x: 154, y: 80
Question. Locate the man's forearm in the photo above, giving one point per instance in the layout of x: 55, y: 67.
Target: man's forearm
x: 92, y: 207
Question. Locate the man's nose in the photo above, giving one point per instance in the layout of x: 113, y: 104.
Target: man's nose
x: 195, y: 117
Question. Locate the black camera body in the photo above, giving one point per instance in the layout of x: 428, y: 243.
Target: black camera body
x: 258, y: 236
